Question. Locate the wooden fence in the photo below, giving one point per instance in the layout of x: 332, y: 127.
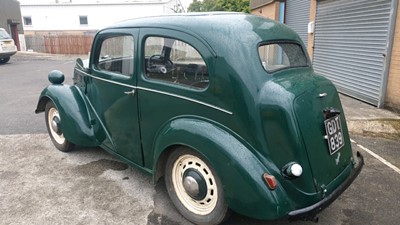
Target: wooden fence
x: 60, y: 44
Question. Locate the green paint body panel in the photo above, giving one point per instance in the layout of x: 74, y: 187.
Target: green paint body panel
x: 73, y: 109
x: 247, y: 122
x: 233, y: 161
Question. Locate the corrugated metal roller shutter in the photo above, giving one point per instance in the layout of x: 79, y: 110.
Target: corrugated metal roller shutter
x: 297, y: 17
x: 350, y: 43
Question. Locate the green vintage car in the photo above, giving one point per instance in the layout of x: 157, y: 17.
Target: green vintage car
x: 225, y: 106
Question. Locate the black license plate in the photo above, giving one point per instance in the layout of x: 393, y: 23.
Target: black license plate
x: 334, y: 134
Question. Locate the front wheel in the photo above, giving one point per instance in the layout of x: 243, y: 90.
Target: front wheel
x: 4, y: 60
x: 53, y: 122
x: 195, y: 188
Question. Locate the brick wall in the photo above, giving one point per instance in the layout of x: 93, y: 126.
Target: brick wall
x: 270, y: 11
x: 393, y: 88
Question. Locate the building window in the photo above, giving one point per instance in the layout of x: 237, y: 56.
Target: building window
x: 83, y: 20
x: 27, y: 20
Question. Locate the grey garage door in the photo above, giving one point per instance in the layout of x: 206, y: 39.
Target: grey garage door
x: 297, y: 17
x: 350, y: 45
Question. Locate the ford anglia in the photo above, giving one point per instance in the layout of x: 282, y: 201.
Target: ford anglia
x: 225, y: 106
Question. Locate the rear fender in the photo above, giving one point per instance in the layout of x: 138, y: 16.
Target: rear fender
x: 74, y: 113
x: 240, y: 171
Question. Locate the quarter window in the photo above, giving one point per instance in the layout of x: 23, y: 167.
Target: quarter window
x: 176, y: 62
x: 116, y: 55
x: 277, y: 56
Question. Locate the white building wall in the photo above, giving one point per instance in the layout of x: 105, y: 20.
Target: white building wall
x: 65, y: 17
x: 22, y: 43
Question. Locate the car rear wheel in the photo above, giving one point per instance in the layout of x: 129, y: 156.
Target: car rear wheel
x: 53, y: 122
x: 4, y: 60
x: 195, y: 188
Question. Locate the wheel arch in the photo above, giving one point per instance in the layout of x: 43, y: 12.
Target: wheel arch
x: 159, y: 168
x: 73, y: 109
x: 41, y: 105
x: 242, y: 182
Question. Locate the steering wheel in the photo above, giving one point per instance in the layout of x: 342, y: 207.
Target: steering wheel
x: 153, y: 66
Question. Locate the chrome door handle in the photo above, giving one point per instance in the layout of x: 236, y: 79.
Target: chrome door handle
x: 321, y: 95
x: 130, y: 92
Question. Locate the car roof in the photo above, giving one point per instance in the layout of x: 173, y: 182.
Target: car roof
x: 218, y: 29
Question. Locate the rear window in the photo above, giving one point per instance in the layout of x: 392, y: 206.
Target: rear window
x: 278, y: 56
x: 4, y: 35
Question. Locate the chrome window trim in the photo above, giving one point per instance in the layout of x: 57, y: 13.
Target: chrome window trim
x: 161, y: 92
x: 101, y: 123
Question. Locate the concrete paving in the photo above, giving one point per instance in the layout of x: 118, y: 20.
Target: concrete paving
x: 358, y: 110
x: 365, y: 119
x: 40, y: 185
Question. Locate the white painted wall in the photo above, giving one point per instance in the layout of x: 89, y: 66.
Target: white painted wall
x: 22, y: 43
x: 65, y: 17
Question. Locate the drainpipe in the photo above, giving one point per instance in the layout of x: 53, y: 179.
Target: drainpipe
x: 282, y: 12
x: 388, y: 54
x: 282, y: 20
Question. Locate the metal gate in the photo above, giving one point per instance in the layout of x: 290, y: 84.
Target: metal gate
x: 297, y: 17
x: 350, y: 46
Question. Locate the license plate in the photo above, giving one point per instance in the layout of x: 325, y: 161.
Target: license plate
x: 11, y: 48
x: 334, y: 134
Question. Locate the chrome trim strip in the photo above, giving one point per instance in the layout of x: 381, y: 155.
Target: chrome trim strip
x: 163, y: 93
x: 186, y: 98
x: 110, y: 81
x: 101, y: 123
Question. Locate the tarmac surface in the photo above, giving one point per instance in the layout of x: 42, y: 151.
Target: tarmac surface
x: 40, y: 185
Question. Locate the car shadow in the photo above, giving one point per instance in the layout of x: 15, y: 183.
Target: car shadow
x: 164, y: 212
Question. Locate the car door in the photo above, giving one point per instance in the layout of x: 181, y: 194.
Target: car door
x: 174, y: 82
x: 112, y: 91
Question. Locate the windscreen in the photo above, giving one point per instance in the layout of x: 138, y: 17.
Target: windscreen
x: 278, y: 56
x: 4, y: 34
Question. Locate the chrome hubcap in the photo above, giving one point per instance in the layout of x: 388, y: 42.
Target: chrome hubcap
x: 54, y: 125
x: 194, y: 184
x: 191, y: 186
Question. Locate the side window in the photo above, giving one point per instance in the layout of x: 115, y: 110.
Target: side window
x: 116, y: 55
x: 174, y: 61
